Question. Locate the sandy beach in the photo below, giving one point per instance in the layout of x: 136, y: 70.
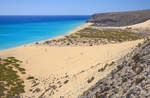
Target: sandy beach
x: 66, y: 69
x: 73, y: 31
x: 74, y: 49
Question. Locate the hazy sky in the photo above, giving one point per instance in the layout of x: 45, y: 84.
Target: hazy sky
x: 69, y: 7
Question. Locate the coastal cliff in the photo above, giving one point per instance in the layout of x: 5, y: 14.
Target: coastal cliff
x: 120, y: 18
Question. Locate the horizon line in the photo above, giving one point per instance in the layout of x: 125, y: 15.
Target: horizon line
x: 45, y: 15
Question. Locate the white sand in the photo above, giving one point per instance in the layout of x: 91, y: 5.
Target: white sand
x: 42, y: 61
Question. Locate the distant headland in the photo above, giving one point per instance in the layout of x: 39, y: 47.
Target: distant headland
x: 120, y: 18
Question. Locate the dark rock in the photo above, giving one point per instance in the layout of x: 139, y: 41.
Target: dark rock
x: 37, y: 90
x: 90, y: 80
x: 138, y: 80
x: 124, y: 79
x: 98, y: 95
x: 137, y: 69
x: 66, y: 81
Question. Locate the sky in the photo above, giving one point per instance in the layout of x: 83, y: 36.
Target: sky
x: 69, y: 7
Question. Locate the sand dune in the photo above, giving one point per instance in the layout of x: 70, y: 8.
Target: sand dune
x: 67, y: 69
x: 76, y: 62
x: 56, y: 59
x: 143, y: 25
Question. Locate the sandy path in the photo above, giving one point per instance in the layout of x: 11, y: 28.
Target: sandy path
x: 41, y: 61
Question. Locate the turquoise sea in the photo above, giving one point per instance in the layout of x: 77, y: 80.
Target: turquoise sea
x: 20, y: 30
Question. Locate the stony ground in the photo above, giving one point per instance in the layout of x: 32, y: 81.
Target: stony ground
x: 130, y: 78
x: 45, y: 87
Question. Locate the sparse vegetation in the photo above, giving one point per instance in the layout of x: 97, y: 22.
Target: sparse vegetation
x: 106, y: 65
x: 128, y: 28
x: 96, y: 24
x: 30, y: 78
x: 66, y: 81
x: 109, y: 35
x: 101, y: 70
x: 90, y: 80
x: 111, y: 63
x: 11, y: 84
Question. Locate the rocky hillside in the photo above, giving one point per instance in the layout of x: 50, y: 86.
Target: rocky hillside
x: 120, y: 18
x: 130, y: 78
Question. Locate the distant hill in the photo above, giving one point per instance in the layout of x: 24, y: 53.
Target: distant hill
x: 120, y: 18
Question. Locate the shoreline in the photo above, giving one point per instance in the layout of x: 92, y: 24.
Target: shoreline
x: 57, y: 37
x: 91, y: 60
x: 85, y: 25
x: 65, y: 71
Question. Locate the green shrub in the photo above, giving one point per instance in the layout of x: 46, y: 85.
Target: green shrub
x: 30, y: 77
x: 10, y: 83
x: 109, y: 35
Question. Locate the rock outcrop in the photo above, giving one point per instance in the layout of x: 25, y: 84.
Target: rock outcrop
x: 130, y: 78
x: 120, y: 18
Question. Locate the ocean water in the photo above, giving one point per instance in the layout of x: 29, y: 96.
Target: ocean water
x: 20, y: 30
